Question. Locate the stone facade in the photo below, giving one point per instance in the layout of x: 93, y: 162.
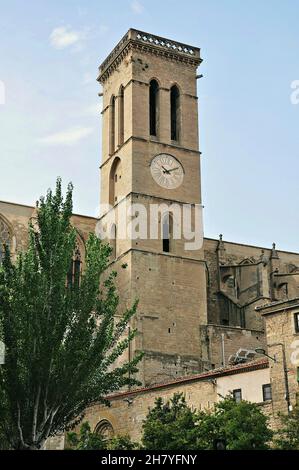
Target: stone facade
x: 282, y: 331
x: 171, y: 287
x: 129, y: 409
x: 16, y: 218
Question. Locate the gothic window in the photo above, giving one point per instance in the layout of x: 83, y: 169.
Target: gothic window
x: 74, y: 273
x: 5, y: 237
x: 115, y: 177
x: 242, y: 318
x: 153, y: 107
x: 112, y: 126
x: 121, y: 116
x: 224, y: 320
x: 175, y: 113
x: 167, y: 229
x: 105, y: 429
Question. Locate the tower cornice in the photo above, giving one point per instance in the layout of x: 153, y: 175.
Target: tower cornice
x: 150, y: 43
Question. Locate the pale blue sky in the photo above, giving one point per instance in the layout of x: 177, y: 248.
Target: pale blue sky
x: 50, y: 124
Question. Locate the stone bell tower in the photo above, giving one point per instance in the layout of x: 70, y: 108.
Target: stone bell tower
x: 151, y: 157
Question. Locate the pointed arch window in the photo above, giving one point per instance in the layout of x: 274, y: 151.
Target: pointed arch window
x: 167, y: 233
x: 114, y: 181
x: 74, y: 273
x: 112, y: 125
x: 5, y: 238
x: 175, y: 113
x: 121, y: 116
x: 153, y: 107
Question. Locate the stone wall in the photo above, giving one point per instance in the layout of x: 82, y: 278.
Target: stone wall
x: 17, y: 217
x: 128, y: 410
x: 248, y: 276
x: 234, y: 339
x: 283, y: 347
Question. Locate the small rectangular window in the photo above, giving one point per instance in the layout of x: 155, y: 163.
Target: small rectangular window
x: 267, y: 392
x: 296, y: 318
x: 166, y: 245
x: 237, y: 394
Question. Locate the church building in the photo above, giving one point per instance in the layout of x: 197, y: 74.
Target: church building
x: 200, y: 310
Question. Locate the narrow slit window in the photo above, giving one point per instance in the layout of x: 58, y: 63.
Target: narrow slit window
x: 112, y: 126
x: 153, y: 107
x: 175, y: 113
x: 167, y: 233
x: 121, y: 116
x: 114, y: 181
x: 74, y: 273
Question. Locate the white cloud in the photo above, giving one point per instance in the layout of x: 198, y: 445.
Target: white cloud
x: 136, y: 7
x: 64, y: 37
x: 67, y: 137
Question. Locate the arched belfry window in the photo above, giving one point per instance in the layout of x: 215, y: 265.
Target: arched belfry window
x: 5, y: 237
x: 175, y: 113
x: 167, y: 233
x: 153, y: 107
x: 121, y: 116
x: 112, y: 125
x: 114, y: 181
x: 74, y: 273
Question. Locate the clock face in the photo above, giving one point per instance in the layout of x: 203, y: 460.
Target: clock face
x: 167, y: 171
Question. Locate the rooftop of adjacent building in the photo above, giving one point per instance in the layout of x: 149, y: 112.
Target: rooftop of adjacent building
x: 204, y: 376
x: 278, y: 305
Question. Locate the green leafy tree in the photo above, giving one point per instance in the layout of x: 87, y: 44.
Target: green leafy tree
x: 122, y: 443
x: 241, y: 425
x: 175, y: 426
x: 170, y: 425
x: 287, y: 437
x: 88, y: 440
x: 61, y: 339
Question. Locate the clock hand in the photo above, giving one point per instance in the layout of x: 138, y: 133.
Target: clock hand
x: 172, y: 169
x: 165, y: 171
